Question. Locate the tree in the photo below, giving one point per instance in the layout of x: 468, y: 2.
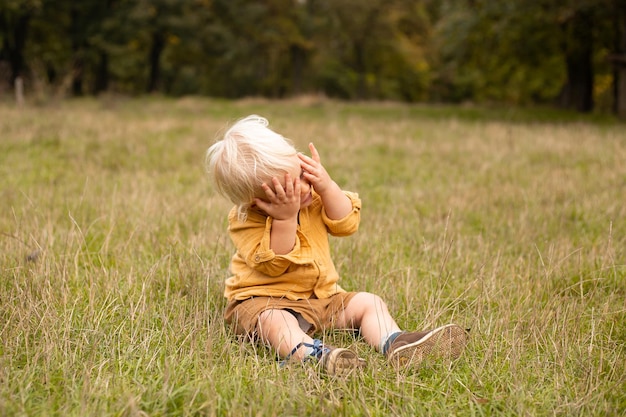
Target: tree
x: 618, y: 57
x: 155, y: 24
x: 520, y: 50
x: 15, y: 18
x: 577, y: 45
x: 373, y: 49
x: 261, y: 42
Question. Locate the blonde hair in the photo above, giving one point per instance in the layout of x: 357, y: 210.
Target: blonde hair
x: 249, y: 154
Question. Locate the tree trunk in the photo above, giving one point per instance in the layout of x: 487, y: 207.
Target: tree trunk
x: 101, y: 83
x: 621, y: 92
x: 619, y: 60
x: 298, y: 60
x: 578, y: 47
x: 158, y: 44
x: 78, y: 44
x: 359, y: 66
x: 77, y: 75
x: 14, y: 47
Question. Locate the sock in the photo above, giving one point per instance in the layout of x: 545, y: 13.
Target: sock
x: 308, y: 351
x: 314, y: 350
x: 387, y: 341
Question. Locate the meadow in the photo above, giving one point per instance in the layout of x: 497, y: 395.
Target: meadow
x: 114, y: 249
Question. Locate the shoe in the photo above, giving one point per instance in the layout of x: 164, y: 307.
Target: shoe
x: 334, y: 361
x: 412, y: 348
x: 340, y: 361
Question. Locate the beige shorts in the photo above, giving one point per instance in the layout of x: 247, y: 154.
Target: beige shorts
x: 313, y: 314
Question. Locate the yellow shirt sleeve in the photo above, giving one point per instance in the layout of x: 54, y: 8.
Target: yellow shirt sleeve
x: 350, y: 223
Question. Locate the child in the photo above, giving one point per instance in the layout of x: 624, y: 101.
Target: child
x: 284, y: 287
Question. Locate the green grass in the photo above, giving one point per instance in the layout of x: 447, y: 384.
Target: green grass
x: 113, y: 252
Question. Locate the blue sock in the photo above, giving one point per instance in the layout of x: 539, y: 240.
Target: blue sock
x: 388, y: 341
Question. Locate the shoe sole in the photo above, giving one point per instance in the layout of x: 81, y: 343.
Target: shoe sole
x: 446, y: 342
x: 341, y: 362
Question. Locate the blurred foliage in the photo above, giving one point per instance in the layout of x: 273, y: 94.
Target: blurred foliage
x: 517, y: 52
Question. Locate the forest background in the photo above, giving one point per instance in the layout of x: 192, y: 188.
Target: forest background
x: 568, y: 53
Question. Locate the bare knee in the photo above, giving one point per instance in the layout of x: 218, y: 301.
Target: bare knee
x: 370, y: 301
x: 270, y: 321
x: 280, y: 330
x: 362, y: 305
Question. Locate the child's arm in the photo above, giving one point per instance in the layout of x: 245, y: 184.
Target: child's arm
x: 282, y: 206
x: 252, y: 240
x: 336, y: 204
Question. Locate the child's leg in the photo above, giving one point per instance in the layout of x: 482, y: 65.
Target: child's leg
x: 281, y: 330
x: 369, y: 313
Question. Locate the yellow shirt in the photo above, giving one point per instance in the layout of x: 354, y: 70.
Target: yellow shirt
x: 306, y: 271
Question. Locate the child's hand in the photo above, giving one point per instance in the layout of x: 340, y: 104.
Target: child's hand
x: 314, y: 171
x: 282, y: 203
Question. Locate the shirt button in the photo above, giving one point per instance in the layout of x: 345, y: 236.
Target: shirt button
x: 257, y: 258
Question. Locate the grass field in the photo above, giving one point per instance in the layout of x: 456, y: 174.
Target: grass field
x: 113, y: 252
